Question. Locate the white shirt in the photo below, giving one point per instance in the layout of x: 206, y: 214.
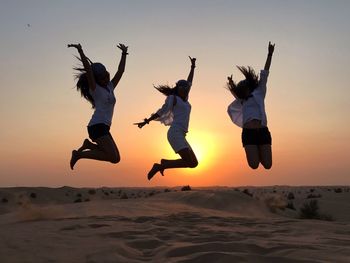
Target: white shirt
x: 104, y: 104
x: 242, y: 111
x: 177, y: 115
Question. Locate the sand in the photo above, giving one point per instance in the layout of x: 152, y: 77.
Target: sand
x: 247, y: 224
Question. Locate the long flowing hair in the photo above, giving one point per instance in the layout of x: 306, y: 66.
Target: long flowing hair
x: 166, y: 89
x: 250, y: 82
x: 83, y: 84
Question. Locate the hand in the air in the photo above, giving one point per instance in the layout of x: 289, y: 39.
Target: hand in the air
x: 193, y: 61
x: 123, y: 48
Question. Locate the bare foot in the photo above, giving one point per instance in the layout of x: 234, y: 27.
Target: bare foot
x: 74, y: 159
x: 86, y: 145
x: 155, y: 169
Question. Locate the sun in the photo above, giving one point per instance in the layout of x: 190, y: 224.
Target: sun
x: 204, y: 146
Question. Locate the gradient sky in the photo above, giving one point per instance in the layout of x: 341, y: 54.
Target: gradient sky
x: 43, y: 118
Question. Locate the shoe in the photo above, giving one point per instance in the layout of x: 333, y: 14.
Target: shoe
x: 73, y: 159
x: 154, y: 170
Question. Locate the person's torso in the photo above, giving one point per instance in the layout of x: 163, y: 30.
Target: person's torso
x: 181, y: 111
x: 104, y: 104
x: 254, y: 108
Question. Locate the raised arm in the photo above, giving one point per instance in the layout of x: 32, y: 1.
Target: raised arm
x: 87, y: 66
x: 231, y: 86
x: 193, y: 65
x: 118, y: 75
x: 271, y: 49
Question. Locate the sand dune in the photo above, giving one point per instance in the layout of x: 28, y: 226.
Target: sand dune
x: 168, y: 225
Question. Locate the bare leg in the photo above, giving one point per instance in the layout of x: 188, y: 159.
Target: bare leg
x: 106, y: 150
x: 188, y: 160
x: 265, y: 154
x: 252, y: 153
x: 116, y: 148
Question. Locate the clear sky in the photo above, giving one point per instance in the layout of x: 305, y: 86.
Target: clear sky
x: 43, y: 117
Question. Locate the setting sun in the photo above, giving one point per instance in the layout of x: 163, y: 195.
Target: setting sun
x: 205, y: 148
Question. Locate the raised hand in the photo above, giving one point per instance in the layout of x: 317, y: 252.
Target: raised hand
x: 193, y: 61
x: 123, y: 48
x: 271, y: 48
x: 77, y: 46
x: 230, y: 80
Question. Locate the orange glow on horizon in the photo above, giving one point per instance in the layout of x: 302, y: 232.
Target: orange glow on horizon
x: 204, y: 147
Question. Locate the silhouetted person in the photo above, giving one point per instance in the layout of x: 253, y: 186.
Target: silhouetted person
x: 95, y: 85
x: 248, y: 112
x: 176, y: 113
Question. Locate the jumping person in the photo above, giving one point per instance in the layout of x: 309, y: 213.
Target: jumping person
x: 176, y: 113
x: 248, y: 112
x: 95, y: 86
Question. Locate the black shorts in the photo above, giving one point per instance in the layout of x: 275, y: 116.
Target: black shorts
x: 258, y: 136
x: 98, y: 130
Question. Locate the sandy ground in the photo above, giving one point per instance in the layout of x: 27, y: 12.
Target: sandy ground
x: 247, y: 224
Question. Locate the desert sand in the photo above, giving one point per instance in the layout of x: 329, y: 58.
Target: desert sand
x: 215, y: 224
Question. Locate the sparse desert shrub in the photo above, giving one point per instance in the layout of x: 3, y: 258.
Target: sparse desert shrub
x: 186, y: 188
x: 338, y: 190
x: 4, y: 200
x: 309, y: 210
x: 33, y: 195
x: 124, y: 196
x: 290, y: 196
x: 166, y: 191
x: 78, y: 200
x: 92, y: 191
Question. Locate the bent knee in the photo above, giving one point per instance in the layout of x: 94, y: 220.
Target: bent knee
x: 253, y: 165
x: 115, y: 159
x: 193, y: 164
x: 267, y: 166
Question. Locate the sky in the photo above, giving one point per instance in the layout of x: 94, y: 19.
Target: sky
x: 43, y: 118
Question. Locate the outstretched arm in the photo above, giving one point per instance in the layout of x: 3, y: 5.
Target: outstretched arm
x: 87, y: 66
x: 271, y: 49
x: 146, y: 121
x: 118, y: 75
x: 169, y: 103
x: 193, y: 65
